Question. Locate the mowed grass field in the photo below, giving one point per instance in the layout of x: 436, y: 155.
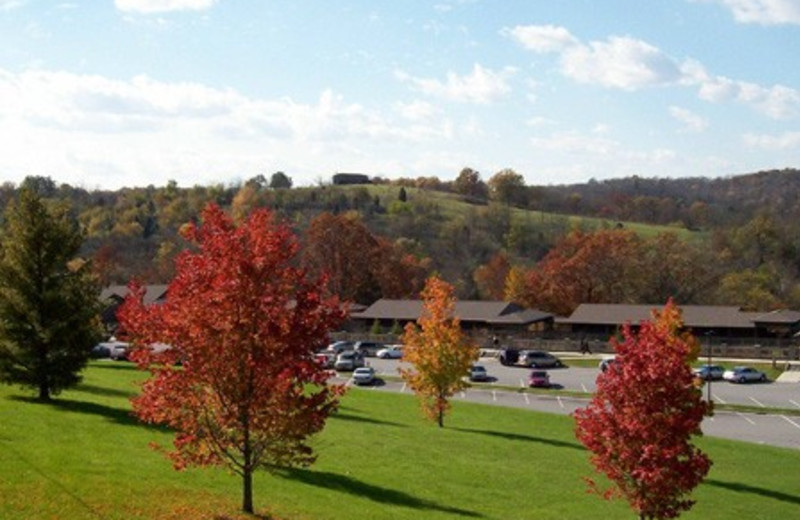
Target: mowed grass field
x: 85, y: 457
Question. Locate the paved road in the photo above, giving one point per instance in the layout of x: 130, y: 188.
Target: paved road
x: 776, y: 430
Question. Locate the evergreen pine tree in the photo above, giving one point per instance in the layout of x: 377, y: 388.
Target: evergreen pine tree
x: 48, y: 297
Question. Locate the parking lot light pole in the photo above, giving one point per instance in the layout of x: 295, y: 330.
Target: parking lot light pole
x: 708, y: 382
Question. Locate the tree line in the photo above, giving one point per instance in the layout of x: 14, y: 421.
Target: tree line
x: 481, y: 236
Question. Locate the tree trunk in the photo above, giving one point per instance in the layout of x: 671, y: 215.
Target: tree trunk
x: 44, y: 391
x: 441, y: 418
x: 247, y: 491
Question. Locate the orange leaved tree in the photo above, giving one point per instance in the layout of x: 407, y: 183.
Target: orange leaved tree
x: 437, y: 348
x: 242, y: 321
x: 640, y: 423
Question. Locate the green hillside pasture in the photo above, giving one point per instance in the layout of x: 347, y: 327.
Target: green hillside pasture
x: 452, y: 207
x: 86, y: 457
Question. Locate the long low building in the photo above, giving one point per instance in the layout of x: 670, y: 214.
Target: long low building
x: 493, y: 317
x: 602, y: 319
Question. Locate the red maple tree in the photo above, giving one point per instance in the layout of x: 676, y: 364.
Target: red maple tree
x: 242, y: 321
x: 640, y: 423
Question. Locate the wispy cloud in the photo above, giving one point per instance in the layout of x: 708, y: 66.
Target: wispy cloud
x: 481, y: 86
x: 630, y: 64
x: 763, y: 12
x: 541, y: 38
x: 574, y: 142
x: 162, y: 6
x: 691, y: 121
x: 7, y: 5
x: 785, y: 141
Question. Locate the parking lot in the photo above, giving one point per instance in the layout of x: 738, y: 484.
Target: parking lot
x: 772, y: 429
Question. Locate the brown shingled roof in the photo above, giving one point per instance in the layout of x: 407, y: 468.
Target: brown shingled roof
x: 494, y: 312
x: 700, y: 316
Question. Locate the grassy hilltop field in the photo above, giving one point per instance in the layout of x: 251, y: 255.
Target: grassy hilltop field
x: 85, y: 457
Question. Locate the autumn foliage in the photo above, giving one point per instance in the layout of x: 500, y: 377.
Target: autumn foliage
x: 598, y: 267
x: 242, y: 321
x: 641, y: 421
x: 361, y: 267
x: 438, y: 350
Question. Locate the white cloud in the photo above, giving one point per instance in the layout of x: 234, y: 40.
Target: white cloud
x: 573, y: 142
x: 102, y: 131
x: 620, y: 62
x: 162, y: 6
x: 785, y: 141
x: 631, y: 64
x: 481, y: 86
x: 764, y: 12
x: 416, y: 110
x: 777, y: 101
x: 541, y: 38
x: 7, y: 5
x: 691, y: 121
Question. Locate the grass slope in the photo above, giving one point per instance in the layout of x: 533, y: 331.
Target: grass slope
x: 85, y: 457
x: 453, y: 207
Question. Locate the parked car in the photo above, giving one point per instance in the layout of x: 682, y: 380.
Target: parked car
x: 100, y: 351
x: 508, y: 356
x: 338, y: 347
x: 325, y: 359
x: 364, y: 376
x: 348, y: 360
x: 605, y: 363
x: 368, y: 348
x: 744, y: 375
x: 538, y: 359
x: 709, y: 372
x: 118, y: 350
x: 539, y: 379
x: 478, y: 373
x: 391, y: 352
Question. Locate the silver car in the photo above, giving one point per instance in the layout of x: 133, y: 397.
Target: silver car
x: 348, y: 360
x: 538, y: 359
x: 364, y: 376
x: 744, y: 375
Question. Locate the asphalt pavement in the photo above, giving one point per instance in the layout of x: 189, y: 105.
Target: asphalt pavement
x: 767, y: 428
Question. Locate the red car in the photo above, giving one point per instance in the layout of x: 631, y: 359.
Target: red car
x: 539, y: 379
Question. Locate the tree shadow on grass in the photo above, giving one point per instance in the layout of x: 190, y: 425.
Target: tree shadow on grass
x: 119, y: 416
x: 103, y: 391
x: 115, y: 365
x: 352, y: 486
x: 527, y: 438
x: 744, y: 488
x: 367, y: 420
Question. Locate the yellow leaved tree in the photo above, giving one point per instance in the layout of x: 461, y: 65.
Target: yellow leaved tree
x: 438, y: 350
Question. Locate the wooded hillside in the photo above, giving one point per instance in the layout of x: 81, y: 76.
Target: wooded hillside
x: 718, y: 241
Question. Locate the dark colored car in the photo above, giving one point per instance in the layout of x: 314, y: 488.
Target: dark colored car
x: 509, y: 356
x: 368, y: 348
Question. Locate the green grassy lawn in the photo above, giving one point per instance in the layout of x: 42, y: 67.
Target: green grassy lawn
x: 84, y: 456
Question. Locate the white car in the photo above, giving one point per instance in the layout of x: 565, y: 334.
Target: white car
x: 391, y: 352
x: 744, y: 375
x: 364, y: 376
x: 478, y: 373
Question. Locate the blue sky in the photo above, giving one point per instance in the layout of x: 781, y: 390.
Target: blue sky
x: 113, y: 93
